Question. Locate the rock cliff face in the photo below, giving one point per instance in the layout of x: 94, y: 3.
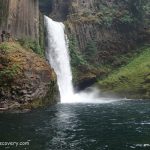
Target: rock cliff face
x: 26, y: 80
x: 60, y: 9
x: 104, y: 31
x: 111, y: 24
x: 20, y: 18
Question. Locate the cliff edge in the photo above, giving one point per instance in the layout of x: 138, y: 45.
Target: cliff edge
x: 26, y: 79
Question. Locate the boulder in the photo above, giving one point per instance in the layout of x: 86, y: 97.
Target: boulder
x: 26, y: 79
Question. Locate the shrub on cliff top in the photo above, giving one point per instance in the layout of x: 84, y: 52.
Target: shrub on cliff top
x: 8, y: 73
x: 33, y: 45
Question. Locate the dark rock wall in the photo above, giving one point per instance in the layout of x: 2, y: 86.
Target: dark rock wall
x: 4, y: 7
x: 20, y: 18
x: 89, y: 20
x: 60, y: 9
x: 45, y: 6
x: 107, y: 39
x: 26, y: 79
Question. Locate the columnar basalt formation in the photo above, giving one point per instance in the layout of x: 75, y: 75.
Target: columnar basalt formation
x: 109, y: 28
x: 20, y: 18
x: 107, y: 22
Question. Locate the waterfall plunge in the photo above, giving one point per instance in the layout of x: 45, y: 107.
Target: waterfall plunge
x: 57, y: 54
x: 58, y: 57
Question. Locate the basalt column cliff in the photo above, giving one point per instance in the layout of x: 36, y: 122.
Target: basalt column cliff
x: 114, y: 25
x: 20, y: 18
x: 104, y: 35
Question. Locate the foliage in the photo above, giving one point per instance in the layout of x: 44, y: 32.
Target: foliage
x: 122, y: 11
x: 113, y: 14
x: 4, y: 47
x: 78, y: 61
x: 91, y: 51
x: 132, y: 78
x: 76, y: 57
x: 127, y: 18
x: 31, y: 44
x: 8, y: 74
x: 146, y: 9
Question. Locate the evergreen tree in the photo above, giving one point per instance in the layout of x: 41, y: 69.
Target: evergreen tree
x: 91, y: 51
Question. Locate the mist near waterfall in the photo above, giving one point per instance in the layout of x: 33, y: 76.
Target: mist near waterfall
x: 57, y: 53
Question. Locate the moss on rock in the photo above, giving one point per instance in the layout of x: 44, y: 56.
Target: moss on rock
x: 26, y: 80
x: 132, y: 80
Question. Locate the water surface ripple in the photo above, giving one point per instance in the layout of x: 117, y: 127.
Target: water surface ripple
x: 122, y: 125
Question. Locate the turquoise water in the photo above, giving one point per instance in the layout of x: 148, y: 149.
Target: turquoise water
x: 123, y: 125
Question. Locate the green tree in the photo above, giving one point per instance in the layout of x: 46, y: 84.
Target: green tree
x: 91, y: 51
x: 76, y: 57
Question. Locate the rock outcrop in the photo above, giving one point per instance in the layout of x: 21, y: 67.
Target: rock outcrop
x: 131, y: 81
x: 26, y: 80
x: 112, y: 24
x: 20, y: 18
x: 104, y: 29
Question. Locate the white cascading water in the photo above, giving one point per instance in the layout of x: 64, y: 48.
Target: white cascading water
x: 57, y: 54
x: 58, y: 57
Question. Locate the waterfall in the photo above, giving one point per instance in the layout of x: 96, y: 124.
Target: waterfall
x: 58, y: 57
